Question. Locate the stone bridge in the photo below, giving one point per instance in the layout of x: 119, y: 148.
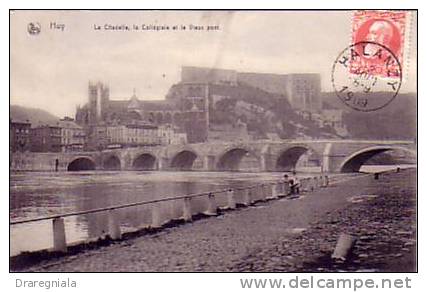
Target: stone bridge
x: 333, y: 155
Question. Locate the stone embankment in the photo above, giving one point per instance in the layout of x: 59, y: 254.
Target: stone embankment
x: 286, y: 235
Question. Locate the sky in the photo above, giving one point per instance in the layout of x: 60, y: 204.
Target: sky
x: 51, y: 70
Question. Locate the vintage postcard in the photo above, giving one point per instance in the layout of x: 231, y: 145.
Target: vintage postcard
x: 213, y: 141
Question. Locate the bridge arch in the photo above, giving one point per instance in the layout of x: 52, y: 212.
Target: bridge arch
x: 81, y: 164
x: 288, y: 158
x: 231, y: 158
x: 112, y: 162
x: 184, y: 160
x: 354, y: 161
x: 144, y: 161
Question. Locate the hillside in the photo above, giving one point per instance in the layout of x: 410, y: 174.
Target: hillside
x: 398, y: 120
x: 34, y: 115
x: 263, y: 113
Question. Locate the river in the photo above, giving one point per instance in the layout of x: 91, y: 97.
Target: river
x: 38, y: 194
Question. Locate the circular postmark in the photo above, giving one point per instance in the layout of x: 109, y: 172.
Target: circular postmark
x: 366, y: 76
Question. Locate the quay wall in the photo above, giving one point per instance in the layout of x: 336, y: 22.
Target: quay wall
x: 29, y: 161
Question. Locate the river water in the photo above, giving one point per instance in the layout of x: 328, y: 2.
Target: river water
x: 38, y: 194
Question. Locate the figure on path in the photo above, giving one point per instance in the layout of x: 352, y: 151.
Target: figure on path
x: 294, y: 184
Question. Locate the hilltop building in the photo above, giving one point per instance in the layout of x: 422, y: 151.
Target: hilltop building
x: 301, y: 90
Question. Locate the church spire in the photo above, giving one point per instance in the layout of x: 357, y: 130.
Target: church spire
x: 134, y: 102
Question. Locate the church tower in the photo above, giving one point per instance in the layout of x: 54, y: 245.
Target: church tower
x: 99, y: 96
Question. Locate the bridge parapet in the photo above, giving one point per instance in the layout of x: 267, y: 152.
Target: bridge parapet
x: 212, y: 156
x: 348, y: 157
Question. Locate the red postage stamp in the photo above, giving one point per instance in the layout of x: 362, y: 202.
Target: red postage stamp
x: 379, y: 38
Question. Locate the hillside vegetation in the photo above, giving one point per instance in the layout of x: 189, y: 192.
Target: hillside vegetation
x: 34, y: 115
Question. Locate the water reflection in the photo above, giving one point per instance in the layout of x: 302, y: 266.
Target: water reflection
x: 43, y: 194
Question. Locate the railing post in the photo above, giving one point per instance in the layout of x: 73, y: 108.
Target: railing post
x: 156, y: 221
x: 302, y: 185
x: 274, y: 192
x: 212, y: 207
x: 326, y: 184
x: 309, y: 185
x: 268, y: 191
x: 230, y: 199
x: 113, y: 225
x: 343, y: 247
x: 59, y: 241
x: 281, y: 189
x: 315, y: 182
x: 286, y: 188
x: 247, y: 197
x: 264, y: 192
x: 261, y: 190
x: 187, y: 210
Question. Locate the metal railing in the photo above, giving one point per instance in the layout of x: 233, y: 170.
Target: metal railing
x: 265, y: 191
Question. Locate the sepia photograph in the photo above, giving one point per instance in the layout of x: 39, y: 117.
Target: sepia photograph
x: 279, y: 141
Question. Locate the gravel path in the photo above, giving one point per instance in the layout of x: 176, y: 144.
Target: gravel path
x: 382, y: 219
x: 265, y: 237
